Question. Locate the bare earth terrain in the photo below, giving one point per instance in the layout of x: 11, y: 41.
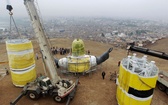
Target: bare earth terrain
x: 92, y: 90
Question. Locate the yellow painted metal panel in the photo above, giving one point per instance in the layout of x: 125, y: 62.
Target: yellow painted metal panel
x: 21, y: 79
x: 124, y: 78
x: 18, y: 46
x: 127, y: 99
x: 78, y: 65
x: 129, y: 79
x: 21, y: 61
x: 150, y: 81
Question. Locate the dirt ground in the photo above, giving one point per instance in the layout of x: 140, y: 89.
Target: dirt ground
x: 92, y: 90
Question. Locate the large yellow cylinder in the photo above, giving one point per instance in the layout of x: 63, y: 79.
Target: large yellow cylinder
x: 21, y: 61
x: 136, y: 82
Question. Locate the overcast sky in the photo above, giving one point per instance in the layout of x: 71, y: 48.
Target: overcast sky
x: 148, y: 9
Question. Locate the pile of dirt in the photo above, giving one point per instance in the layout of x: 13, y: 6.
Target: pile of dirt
x: 92, y: 90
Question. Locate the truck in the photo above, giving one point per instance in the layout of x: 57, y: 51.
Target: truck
x: 51, y: 84
x: 162, y: 81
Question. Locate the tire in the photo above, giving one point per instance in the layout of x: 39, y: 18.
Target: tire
x: 58, y: 98
x: 166, y: 91
x: 161, y: 87
x: 33, y: 95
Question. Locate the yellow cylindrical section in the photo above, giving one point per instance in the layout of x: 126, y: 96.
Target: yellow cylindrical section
x: 78, y: 64
x: 124, y: 98
x: 128, y: 80
x: 18, y: 45
x: 21, y: 61
x: 22, y: 77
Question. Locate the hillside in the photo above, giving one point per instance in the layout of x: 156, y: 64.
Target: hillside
x: 160, y: 45
x: 92, y: 90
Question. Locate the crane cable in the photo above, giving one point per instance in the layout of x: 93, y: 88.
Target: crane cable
x: 10, y: 8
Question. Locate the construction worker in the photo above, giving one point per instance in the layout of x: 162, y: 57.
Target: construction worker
x: 88, y: 52
x: 7, y: 72
x: 103, y: 74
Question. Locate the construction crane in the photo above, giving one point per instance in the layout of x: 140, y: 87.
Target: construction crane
x: 163, y: 75
x: 51, y: 84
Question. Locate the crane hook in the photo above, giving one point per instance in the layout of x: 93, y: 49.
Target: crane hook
x: 9, y: 7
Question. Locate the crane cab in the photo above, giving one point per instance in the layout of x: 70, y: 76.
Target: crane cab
x: 44, y: 83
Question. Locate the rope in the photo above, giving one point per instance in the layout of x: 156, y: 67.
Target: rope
x: 12, y: 19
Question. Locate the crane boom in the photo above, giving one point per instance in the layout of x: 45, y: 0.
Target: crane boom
x: 147, y: 51
x: 42, y: 40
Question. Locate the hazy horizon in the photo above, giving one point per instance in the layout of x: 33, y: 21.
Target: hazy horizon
x: 141, y: 9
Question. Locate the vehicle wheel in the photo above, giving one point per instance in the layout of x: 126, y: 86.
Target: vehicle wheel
x: 58, y: 98
x: 33, y: 95
x: 161, y: 87
x: 167, y: 91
